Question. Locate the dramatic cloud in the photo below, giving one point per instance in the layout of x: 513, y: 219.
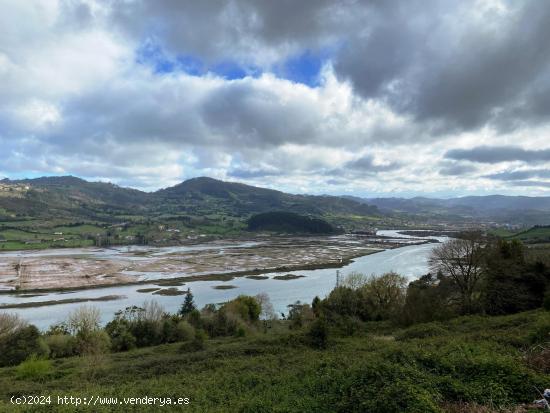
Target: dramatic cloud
x: 361, y: 97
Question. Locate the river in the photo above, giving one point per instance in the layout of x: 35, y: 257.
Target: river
x: 410, y: 261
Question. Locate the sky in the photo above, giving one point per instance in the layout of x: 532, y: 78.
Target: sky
x: 359, y: 97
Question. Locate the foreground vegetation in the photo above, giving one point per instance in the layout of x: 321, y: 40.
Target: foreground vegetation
x: 427, y: 368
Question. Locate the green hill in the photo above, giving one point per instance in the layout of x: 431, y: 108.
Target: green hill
x: 35, y: 213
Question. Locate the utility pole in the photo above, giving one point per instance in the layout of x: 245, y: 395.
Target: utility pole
x: 337, y: 278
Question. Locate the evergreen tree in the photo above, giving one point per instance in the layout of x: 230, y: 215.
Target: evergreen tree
x: 188, y: 304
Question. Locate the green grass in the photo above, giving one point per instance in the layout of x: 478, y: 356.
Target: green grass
x: 535, y: 234
x: 471, y: 359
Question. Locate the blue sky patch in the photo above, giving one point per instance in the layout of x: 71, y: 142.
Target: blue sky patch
x: 303, y: 68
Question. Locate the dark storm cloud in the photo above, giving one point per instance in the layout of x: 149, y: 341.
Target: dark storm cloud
x: 419, y: 58
x: 233, y: 29
x: 496, y: 154
x: 459, y: 65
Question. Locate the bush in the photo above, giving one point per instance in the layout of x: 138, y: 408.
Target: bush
x: 386, y: 387
x: 299, y: 315
x: 318, y: 334
x: 421, y: 331
x: 61, y: 345
x: 19, y: 344
x: 194, y: 318
x: 122, y: 338
x: 34, y: 368
x: 241, y: 331
x: 244, y: 306
x: 540, y: 333
x: 93, y: 343
x: 546, y: 301
x: 197, y: 344
x: 184, y: 331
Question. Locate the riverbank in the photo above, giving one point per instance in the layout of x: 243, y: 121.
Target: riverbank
x: 411, y: 261
x: 96, y: 268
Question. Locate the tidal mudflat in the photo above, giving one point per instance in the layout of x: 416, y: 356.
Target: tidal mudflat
x: 220, y: 260
x: 410, y: 261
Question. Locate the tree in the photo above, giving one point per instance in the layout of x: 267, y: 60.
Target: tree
x: 83, y: 320
x: 267, y: 313
x: 511, y: 284
x: 355, y: 280
x: 461, y: 259
x: 430, y: 298
x: 384, y: 295
x: 188, y: 304
x: 9, y: 324
x: 20, y: 344
x: 316, y: 306
x: 318, y: 333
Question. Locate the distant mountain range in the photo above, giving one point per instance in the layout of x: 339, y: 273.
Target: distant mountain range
x: 69, y: 197
x: 512, y: 209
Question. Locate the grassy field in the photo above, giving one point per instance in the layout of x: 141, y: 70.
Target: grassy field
x: 426, y: 368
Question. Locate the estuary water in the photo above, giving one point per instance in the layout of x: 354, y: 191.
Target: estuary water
x: 410, y: 261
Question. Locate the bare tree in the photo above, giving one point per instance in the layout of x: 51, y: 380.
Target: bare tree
x: 10, y: 324
x: 84, y: 320
x: 152, y: 311
x: 461, y: 260
x: 268, y: 313
x: 355, y: 280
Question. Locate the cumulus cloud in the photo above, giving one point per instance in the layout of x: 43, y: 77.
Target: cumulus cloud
x: 410, y: 96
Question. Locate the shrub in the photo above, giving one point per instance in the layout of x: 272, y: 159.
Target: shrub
x: 61, y: 345
x: 93, y: 343
x: 197, y: 344
x: 546, y: 301
x: 421, y: 331
x: 318, y: 334
x: 386, y: 387
x: 147, y: 333
x: 541, y: 332
x: 122, y: 338
x: 241, y: 331
x: 194, y: 318
x: 429, y: 299
x: 244, y: 306
x: 184, y: 331
x: 299, y: 315
x: 34, y: 368
x: 19, y: 344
